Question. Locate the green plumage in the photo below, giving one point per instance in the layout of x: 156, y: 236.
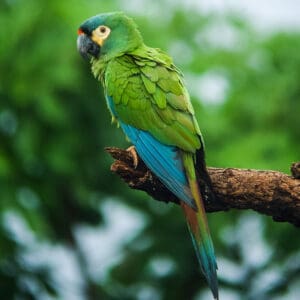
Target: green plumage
x: 149, y: 94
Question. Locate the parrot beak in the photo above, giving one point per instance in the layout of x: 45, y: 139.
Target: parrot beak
x: 86, y: 46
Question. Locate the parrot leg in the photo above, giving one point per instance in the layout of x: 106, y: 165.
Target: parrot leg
x: 134, y: 155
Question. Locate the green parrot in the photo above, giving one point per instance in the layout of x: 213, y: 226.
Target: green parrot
x: 147, y: 98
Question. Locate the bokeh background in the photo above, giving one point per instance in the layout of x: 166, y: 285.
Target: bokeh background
x: 69, y: 229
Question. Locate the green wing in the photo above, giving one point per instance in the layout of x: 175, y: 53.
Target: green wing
x: 149, y: 94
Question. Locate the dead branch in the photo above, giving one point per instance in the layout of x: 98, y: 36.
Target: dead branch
x: 268, y: 192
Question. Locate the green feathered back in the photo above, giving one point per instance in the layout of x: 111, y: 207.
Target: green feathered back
x: 149, y: 94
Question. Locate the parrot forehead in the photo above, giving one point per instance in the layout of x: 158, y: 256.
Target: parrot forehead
x: 108, y: 19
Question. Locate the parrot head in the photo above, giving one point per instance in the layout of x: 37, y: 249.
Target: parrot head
x: 108, y: 35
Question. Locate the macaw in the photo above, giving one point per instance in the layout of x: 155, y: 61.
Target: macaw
x: 147, y: 98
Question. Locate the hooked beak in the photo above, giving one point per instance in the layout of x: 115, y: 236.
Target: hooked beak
x: 86, y: 46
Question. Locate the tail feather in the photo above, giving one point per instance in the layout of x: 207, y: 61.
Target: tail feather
x: 198, y: 228
x: 204, y: 249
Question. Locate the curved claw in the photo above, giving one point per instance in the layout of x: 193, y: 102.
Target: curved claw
x: 134, y: 155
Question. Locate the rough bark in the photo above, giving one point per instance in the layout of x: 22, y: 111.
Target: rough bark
x: 268, y: 192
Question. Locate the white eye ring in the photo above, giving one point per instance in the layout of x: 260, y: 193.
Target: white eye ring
x: 103, y: 31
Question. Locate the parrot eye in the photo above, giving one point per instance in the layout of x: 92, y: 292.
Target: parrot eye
x: 103, y: 31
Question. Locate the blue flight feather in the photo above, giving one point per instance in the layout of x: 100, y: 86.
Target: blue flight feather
x: 163, y: 160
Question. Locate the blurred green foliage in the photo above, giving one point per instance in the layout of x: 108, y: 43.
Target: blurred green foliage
x: 54, y: 173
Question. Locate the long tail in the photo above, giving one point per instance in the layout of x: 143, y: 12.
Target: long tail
x: 198, y: 228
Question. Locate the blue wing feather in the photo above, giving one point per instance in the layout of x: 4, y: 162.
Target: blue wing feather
x: 163, y: 160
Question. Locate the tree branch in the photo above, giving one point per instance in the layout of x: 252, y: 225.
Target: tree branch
x: 268, y: 192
